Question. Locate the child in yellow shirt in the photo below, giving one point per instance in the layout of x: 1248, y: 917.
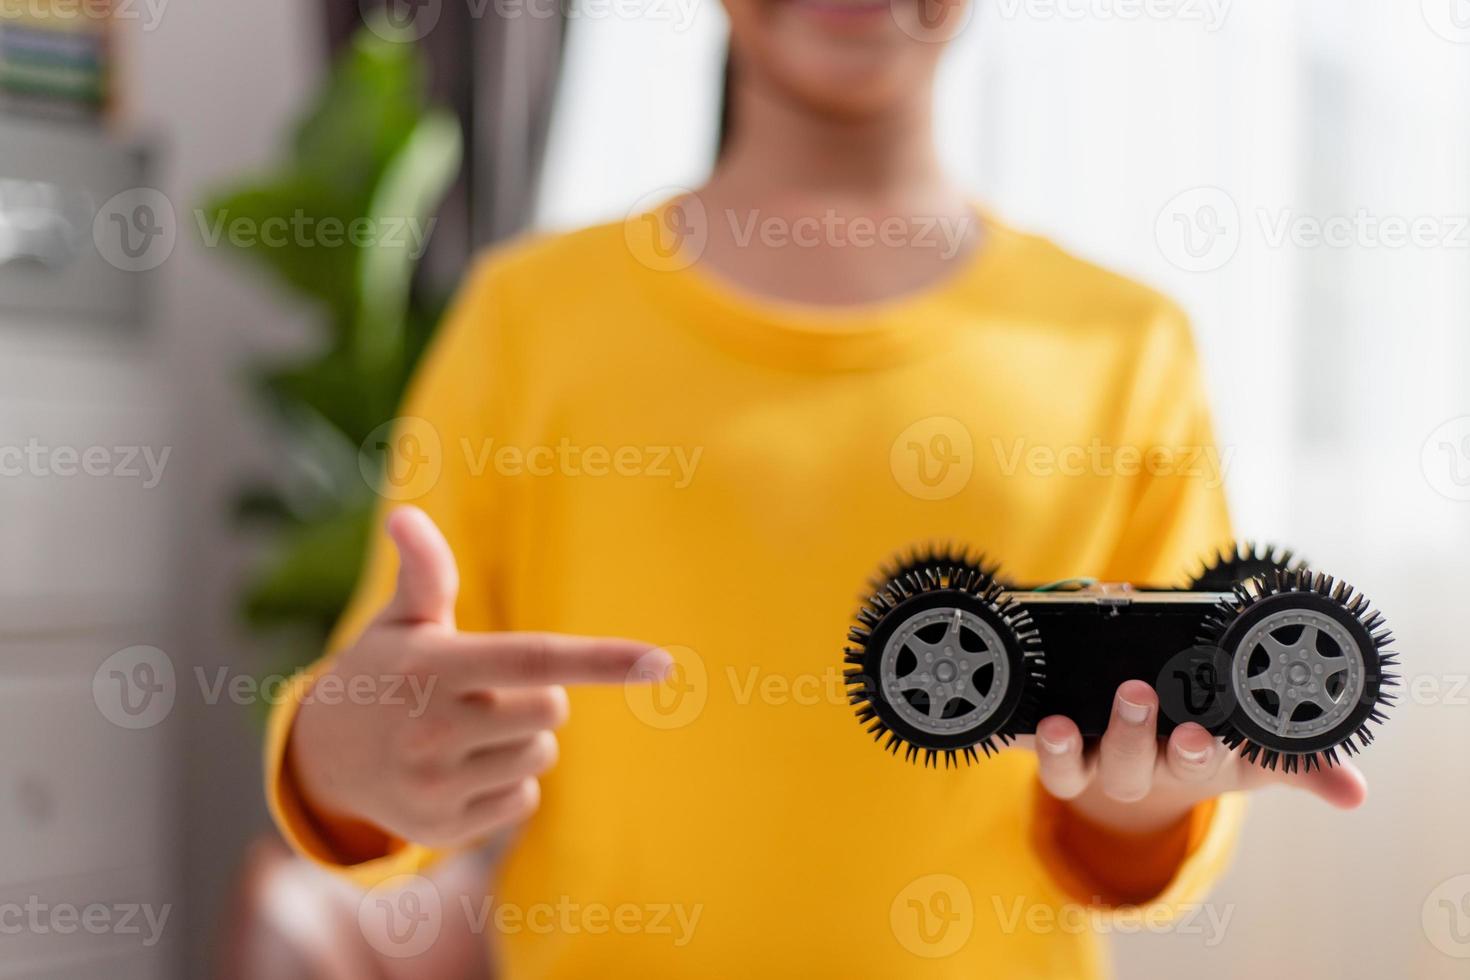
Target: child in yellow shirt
x: 703, y: 428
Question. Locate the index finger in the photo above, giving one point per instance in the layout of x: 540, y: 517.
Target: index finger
x: 477, y: 660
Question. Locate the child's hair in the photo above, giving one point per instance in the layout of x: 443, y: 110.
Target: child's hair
x: 726, y: 110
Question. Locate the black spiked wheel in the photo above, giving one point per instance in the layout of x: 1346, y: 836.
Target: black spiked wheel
x: 1307, y: 659
x: 1231, y: 566
x: 941, y: 662
x: 942, y: 558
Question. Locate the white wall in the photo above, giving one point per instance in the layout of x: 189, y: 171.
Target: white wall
x: 214, y: 86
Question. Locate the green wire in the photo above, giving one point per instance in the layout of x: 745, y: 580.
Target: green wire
x: 1066, y: 583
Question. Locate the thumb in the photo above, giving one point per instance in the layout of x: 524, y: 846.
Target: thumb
x: 1342, y: 785
x: 428, y: 578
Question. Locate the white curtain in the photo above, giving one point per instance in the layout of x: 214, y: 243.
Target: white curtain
x: 1297, y: 176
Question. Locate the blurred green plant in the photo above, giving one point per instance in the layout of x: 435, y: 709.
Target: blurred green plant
x: 371, y: 154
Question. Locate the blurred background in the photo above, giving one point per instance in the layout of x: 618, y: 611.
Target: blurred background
x: 185, y: 415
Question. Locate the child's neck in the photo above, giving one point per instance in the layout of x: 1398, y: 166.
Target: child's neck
x: 789, y: 171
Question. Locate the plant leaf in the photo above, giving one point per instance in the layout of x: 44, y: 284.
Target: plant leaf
x: 402, y: 213
x: 312, y: 575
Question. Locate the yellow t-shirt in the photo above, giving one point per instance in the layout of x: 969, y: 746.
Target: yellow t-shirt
x: 616, y: 448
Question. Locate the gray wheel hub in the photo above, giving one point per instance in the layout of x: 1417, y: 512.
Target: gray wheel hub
x: 945, y: 671
x: 1301, y: 670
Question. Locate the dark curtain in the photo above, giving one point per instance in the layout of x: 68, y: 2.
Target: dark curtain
x: 499, y: 74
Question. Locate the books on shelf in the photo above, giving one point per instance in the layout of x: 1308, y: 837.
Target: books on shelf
x: 55, y: 57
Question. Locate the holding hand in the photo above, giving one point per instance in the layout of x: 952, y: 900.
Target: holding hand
x: 1133, y: 782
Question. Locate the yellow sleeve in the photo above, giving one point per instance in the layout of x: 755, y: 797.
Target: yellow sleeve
x: 1177, y: 512
x: 449, y: 407
x: 1158, y: 875
x: 1178, y: 515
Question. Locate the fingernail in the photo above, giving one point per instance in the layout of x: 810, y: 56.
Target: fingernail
x: 1054, y: 748
x: 1195, y: 756
x: 653, y: 666
x: 1134, y: 714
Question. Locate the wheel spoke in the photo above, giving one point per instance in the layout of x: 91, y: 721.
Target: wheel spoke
x: 1275, y: 647
x: 919, y: 680
x: 1329, y: 665
x: 1320, y: 698
x: 1262, y: 682
x: 986, y: 658
x: 923, y: 648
